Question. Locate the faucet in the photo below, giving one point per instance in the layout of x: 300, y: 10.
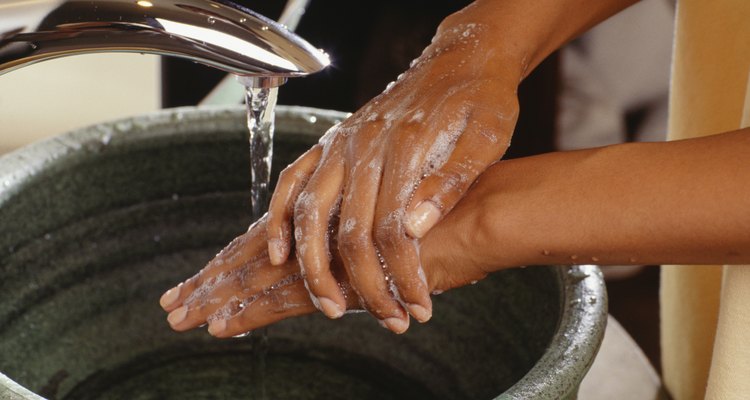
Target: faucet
x: 218, y: 33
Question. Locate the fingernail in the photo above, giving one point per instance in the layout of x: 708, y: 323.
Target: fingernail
x: 169, y: 297
x: 177, y: 316
x: 330, y: 308
x: 275, y: 254
x: 216, y: 327
x: 397, y: 325
x: 422, y: 219
x: 420, y: 313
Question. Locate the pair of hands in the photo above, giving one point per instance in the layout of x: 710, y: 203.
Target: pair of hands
x: 241, y: 290
x: 354, y: 206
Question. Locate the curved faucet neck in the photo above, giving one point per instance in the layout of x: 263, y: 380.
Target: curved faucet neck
x: 217, y: 33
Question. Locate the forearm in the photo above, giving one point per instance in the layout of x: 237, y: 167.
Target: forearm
x: 526, y: 32
x: 684, y: 202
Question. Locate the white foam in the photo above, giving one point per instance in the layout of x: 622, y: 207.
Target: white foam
x: 442, y: 148
x: 348, y: 226
x: 328, y: 136
x: 418, y: 116
x: 421, y: 275
x: 205, y: 288
x: 227, y: 311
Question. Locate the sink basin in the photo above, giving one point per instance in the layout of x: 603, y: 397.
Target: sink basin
x: 97, y: 223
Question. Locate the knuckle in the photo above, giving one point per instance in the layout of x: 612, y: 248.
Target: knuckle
x: 306, y: 206
x: 287, y: 175
x: 276, y: 299
x: 388, y: 233
x: 275, y: 215
x: 453, y: 178
x: 353, y: 241
x: 409, y: 286
x: 411, y: 124
x: 379, y: 304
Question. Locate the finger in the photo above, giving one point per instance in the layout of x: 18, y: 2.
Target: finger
x: 358, y: 253
x: 283, y: 302
x: 226, y: 294
x: 312, y: 213
x: 402, y: 263
x: 243, y: 249
x: 286, y: 297
x: 281, y: 208
x: 482, y: 143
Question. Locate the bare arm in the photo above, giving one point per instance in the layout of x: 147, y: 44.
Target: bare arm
x: 529, y: 31
x: 682, y: 202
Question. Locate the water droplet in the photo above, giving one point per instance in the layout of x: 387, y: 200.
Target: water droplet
x: 264, y: 28
x: 312, y: 119
x: 573, y: 257
x: 473, y: 282
x: 594, y: 259
x: 389, y: 86
x: 211, y: 20
x: 575, y: 302
x: 545, y: 252
x: 241, y: 335
x: 577, y: 274
x: 106, y: 139
x: 413, y: 62
x: 243, y: 20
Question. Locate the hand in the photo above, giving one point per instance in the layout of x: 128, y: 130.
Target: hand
x: 240, y: 290
x: 392, y: 170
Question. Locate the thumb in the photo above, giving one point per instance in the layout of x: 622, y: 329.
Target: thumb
x: 476, y: 149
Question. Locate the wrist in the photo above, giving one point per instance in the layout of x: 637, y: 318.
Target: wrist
x: 520, y: 34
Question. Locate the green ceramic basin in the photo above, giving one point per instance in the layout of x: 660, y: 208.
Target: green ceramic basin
x: 97, y: 223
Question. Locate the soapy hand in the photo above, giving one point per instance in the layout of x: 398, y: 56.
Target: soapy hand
x: 392, y: 170
x: 240, y: 290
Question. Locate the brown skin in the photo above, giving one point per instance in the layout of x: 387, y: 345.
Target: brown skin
x: 375, y: 166
x: 682, y: 202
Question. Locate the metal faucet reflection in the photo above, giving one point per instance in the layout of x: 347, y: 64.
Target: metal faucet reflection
x: 217, y: 33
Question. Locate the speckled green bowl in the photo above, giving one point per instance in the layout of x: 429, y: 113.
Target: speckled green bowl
x: 97, y: 223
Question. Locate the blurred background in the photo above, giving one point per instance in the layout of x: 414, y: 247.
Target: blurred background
x: 608, y: 86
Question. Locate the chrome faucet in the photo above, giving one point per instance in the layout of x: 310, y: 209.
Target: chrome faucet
x: 218, y: 33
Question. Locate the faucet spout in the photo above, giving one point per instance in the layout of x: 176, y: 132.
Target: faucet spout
x: 217, y: 33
